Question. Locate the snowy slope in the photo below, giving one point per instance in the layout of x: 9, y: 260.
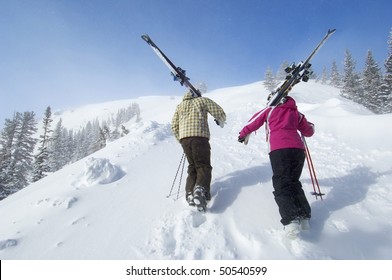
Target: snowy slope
x: 113, y: 204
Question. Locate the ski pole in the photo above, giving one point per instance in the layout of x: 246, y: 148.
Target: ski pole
x: 312, y: 172
x: 182, y: 172
x: 182, y: 161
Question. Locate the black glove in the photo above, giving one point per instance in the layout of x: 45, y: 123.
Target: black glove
x: 219, y: 123
x: 244, y: 139
x: 241, y: 139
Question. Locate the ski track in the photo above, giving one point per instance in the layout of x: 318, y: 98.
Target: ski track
x: 189, y: 235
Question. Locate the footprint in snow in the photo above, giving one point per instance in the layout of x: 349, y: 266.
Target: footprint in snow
x: 340, y: 225
x: 8, y: 243
x: 66, y: 202
x: 174, y: 237
x: 197, y: 219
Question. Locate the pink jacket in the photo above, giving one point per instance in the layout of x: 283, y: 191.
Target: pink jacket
x: 282, y: 125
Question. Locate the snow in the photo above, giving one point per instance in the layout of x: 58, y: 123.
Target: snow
x: 116, y: 203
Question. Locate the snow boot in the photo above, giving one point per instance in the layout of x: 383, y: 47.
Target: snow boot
x: 305, y: 225
x: 292, y: 229
x: 189, y: 199
x: 199, y: 198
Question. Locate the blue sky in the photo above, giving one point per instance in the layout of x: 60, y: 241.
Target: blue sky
x: 67, y: 53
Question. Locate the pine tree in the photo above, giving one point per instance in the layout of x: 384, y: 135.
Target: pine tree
x: 106, y: 132
x: 386, y: 86
x: 136, y: 110
x: 69, y: 145
x: 41, y: 165
x: 24, y: 158
x: 57, y: 149
x: 371, y: 82
x: 93, y: 137
x: 351, y: 89
x: 81, y: 144
x: 324, y: 76
x: 102, y: 138
x: 17, y: 153
x: 7, y: 143
x: 269, y: 80
x: 336, y: 79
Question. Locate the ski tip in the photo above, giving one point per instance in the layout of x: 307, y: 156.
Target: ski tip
x: 330, y: 31
x: 146, y: 38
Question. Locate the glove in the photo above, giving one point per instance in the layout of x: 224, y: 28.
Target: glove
x: 221, y: 124
x: 312, y: 125
x: 241, y: 139
x: 244, y: 139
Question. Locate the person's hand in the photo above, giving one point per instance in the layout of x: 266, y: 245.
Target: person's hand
x: 244, y: 139
x: 241, y: 139
x: 220, y: 123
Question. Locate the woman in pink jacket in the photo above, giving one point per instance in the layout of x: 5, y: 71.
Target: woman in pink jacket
x: 287, y: 157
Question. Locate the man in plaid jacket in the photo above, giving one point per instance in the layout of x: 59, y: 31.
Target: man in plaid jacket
x: 190, y: 127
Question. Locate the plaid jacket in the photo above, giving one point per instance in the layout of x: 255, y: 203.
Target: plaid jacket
x: 190, y: 118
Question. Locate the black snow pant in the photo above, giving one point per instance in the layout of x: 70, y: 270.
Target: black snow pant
x: 287, y: 165
x: 198, y: 154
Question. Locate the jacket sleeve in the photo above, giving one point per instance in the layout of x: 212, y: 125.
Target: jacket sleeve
x: 175, y: 125
x: 255, y: 122
x: 306, y: 128
x: 215, y: 110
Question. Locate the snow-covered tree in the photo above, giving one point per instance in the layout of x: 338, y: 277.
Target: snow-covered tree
x: 136, y: 109
x: 16, y: 154
x: 371, y: 81
x: 57, y: 148
x: 324, y: 76
x: 336, y: 79
x: 69, y: 145
x: 92, y: 137
x: 385, y: 89
x: 7, y: 143
x: 351, y: 84
x: 269, y: 80
x: 41, y: 164
x: 25, y: 144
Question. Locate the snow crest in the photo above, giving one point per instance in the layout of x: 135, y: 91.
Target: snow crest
x: 101, y: 171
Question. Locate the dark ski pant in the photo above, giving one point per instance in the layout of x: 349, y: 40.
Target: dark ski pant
x: 198, y: 154
x: 287, y: 165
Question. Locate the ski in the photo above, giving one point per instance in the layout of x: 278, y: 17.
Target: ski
x: 296, y: 73
x: 177, y: 72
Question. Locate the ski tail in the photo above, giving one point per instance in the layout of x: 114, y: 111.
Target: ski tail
x: 178, y: 73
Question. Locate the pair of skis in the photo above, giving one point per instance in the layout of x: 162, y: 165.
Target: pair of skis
x: 296, y: 73
x: 177, y: 72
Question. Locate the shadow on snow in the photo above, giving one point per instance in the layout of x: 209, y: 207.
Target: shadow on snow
x: 227, y: 188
